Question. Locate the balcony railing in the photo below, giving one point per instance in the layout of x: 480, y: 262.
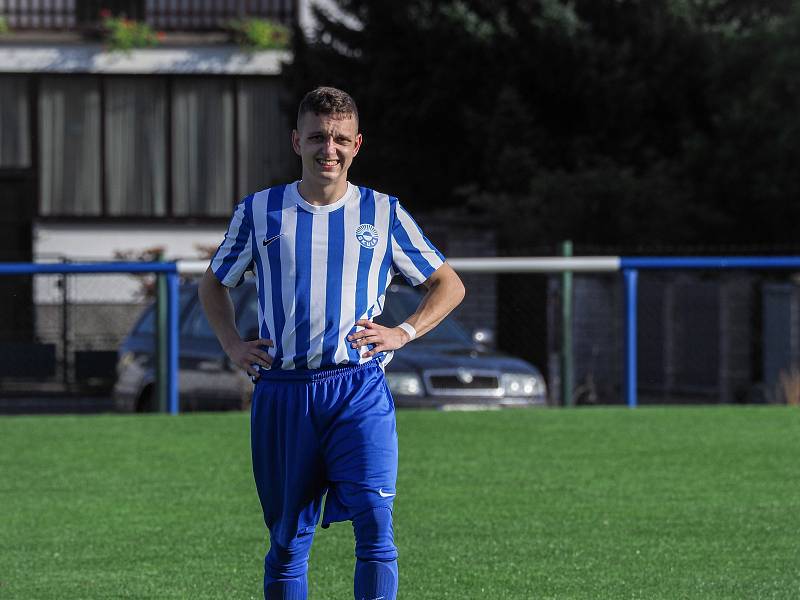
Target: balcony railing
x: 166, y: 15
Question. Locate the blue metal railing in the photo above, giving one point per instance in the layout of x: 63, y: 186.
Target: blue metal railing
x: 709, y: 262
x: 631, y: 380
x: 169, y: 270
x: 630, y: 267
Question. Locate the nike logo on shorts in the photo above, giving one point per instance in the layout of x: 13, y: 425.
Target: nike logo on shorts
x: 383, y: 494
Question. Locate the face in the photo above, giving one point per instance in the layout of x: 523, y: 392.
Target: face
x: 326, y: 144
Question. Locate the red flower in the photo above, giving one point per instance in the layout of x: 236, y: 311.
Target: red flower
x: 105, y: 13
x: 161, y: 36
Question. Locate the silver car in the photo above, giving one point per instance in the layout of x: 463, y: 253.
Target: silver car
x: 446, y: 368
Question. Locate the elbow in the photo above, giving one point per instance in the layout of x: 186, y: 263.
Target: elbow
x: 451, y: 284
x: 459, y: 291
x: 447, y: 285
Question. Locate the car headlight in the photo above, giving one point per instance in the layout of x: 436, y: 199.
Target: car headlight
x: 129, y: 358
x: 404, y: 384
x: 125, y: 360
x: 522, y: 384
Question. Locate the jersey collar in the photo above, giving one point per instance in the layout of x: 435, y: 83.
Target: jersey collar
x: 352, y: 191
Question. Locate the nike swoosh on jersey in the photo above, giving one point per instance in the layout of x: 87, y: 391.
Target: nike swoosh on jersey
x: 267, y: 242
x: 383, y: 494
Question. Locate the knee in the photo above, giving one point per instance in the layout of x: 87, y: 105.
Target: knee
x: 288, y: 562
x: 374, y: 535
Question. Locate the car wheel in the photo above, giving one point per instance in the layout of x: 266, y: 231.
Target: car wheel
x: 146, y: 402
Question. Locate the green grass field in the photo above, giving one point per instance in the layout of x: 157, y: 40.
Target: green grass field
x: 595, y: 503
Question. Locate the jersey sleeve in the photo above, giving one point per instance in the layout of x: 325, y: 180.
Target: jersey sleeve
x: 413, y: 255
x: 235, y: 254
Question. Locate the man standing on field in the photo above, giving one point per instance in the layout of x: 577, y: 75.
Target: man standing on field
x: 324, y: 251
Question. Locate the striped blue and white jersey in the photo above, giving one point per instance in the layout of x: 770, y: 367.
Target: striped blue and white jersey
x: 319, y: 269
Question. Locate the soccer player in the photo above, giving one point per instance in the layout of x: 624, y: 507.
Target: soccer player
x: 322, y: 418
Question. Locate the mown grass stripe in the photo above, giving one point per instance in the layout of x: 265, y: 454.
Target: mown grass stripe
x: 595, y: 503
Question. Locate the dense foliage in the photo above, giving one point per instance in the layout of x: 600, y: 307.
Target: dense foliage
x: 608, y: 121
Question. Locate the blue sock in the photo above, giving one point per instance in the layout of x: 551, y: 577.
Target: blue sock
x: 375, y: 580
x: 295, y: 589
x: 285, y: 569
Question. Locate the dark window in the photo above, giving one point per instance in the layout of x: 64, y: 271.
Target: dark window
x: 69, y: 133
x: 136, y: 146
x: 15, y: 146
x: 202, y: 147
x: 148, y: 146
x: 263, y: 161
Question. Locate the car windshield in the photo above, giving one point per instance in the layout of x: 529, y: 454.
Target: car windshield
x: 195, y: 324
x: 193, y: 320
x: 147, y: 324
x: 401, y: 301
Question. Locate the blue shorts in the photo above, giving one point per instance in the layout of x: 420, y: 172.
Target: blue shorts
x: 322, y: 431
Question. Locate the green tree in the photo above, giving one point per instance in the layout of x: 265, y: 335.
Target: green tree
x: 606, y: 121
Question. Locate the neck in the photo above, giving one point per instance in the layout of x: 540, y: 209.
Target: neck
x: 322, y: 194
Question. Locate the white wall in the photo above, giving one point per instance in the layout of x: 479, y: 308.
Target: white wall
x: 101, y: 242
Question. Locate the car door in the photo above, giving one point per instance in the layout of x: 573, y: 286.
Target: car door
x: 206, y: 379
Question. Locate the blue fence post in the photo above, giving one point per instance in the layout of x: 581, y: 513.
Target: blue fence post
x: 173, y: 405
x: 631, y: 279
x: 171, y: 271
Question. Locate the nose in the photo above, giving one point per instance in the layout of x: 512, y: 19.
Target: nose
x: 329, y: 147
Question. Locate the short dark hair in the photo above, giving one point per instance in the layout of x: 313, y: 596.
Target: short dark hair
x: 328, y: 101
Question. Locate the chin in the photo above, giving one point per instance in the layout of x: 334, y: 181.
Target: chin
x: 331, y: 177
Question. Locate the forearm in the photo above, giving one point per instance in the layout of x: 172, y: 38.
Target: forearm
x: 219, y: 309
x: 216, y: 301
x: 445, y: 292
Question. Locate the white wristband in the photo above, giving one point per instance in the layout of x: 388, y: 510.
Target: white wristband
x: 409, y: 329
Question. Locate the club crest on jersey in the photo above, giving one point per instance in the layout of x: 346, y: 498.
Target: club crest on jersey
x: 367, y: 235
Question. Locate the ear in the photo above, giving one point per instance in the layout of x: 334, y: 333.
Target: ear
x: 359, y: 139
x: 296, y: 141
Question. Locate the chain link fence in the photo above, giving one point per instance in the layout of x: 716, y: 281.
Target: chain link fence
x: 703, y: 336
x: 59, y: 342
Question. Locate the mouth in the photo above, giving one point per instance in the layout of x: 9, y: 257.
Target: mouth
x: 327, y: 164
